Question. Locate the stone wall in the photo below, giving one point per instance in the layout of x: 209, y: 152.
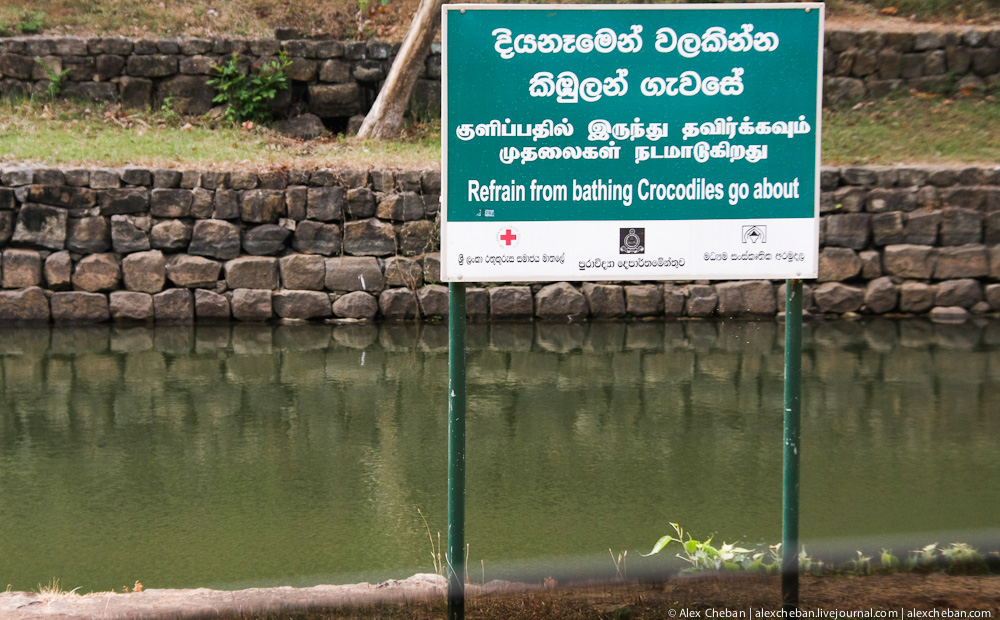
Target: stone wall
x: 134, y: 244
x: 337, y: 80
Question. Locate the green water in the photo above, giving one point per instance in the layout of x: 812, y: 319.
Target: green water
x: 232, y: 456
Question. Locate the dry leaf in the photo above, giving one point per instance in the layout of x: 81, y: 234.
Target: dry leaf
x: 889, y: 10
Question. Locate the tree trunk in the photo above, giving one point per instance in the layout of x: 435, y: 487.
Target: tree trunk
x: 385, y: 120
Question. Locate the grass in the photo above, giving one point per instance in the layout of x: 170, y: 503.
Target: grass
x: 344, y: 18
x: 919, y: 128
x: 63, y: 133
x: 913, y: 129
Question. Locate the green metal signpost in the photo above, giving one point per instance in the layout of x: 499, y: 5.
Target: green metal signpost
x: 629, y: 142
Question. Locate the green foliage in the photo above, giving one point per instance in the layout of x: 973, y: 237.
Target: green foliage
x: 246, y: 94
x: 25, y: 22
x: 57, y: 79
x: 704, y: 557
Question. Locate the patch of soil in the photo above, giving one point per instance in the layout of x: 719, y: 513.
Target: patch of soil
x: 422, y: 598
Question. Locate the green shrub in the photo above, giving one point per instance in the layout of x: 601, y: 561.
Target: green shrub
x: 245, y: 94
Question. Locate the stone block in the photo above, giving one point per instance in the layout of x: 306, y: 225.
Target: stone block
x: 79, y: 307
x: 511, y: 303
x: 397, y: 304
x: 301, y: 304
x: 915, y: 297
x: 360, y: 202
x: 252, y: 272
x: 849, y: 230
x: 170, y: 202
x: 296, y: 198
x: 303, y: 271
x: 909, y: 261
x: 849, y: 199
x: 560, y: 301
x: 961, y: 226
x: 993, y: 296
x: 871, y: 264
x: 29, y: 305
x: 227, y: 205
x: 403, y: 207
x: 97, y: 273
x: 202, y: 203
x: 674, y: 300
x: 746, y: 298
x: 842, y: 91
x: 606, y: 301
x: 130, y: 233
x: 104, y: 179
x: 58, y: 271
x: 317, y: 238
x: 151, y: 66
x: 881, y: 200
x: 417, y: 237
x: 881, y: 295
x: 170, y: 235
x: 354, y: 273
x: 433, y: 301
x: 964, y: 293
x: 838, y: 298
x: 921, y: 227
x: 131, y: 306
x: 41, y: 226
x: 124, y: 200
x: 21, y: 268
x: 215, y: 239
x: 175, y: 305
x: 262, y: 206
x: 265, y: 240
x: 356, y: 305
x: 88, y: 235
x: 144, y: 272
x: 402, y: 271
x: 325, y: 204
x: 701, y: 300
x: 837, y: 264
x: 643, y: 300
x: 135, y: 93
x: 210, y: 305
x: 370, y: 237
x: 965, y: 261
x: 432, y: 267
x: 993, y: 256
x: 888, y: 228
x: 334, y: 100
x: 188, y: 271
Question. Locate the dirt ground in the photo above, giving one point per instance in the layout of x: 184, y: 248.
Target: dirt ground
x: 422, y: 597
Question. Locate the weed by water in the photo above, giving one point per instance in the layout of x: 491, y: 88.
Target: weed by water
x: 435, y: 549
x: 956, y: 558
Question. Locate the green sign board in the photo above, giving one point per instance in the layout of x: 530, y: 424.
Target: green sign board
x: 630, y: 142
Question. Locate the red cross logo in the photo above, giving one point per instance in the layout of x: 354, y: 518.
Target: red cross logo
x: 508, y: 237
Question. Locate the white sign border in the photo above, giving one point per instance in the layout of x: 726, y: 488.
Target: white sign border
x: 811, y: 273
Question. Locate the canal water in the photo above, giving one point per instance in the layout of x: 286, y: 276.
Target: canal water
x: 236, y: 456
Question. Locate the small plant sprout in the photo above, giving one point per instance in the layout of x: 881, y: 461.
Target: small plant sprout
x: 888, y: 561
x: 435, y: 550
x: 57, y: 79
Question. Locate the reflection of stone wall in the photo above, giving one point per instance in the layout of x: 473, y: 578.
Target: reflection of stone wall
x: 335, y: 79
x: 135, y: 244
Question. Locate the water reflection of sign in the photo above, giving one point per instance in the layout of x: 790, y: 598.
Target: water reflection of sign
x: 691, y: 129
